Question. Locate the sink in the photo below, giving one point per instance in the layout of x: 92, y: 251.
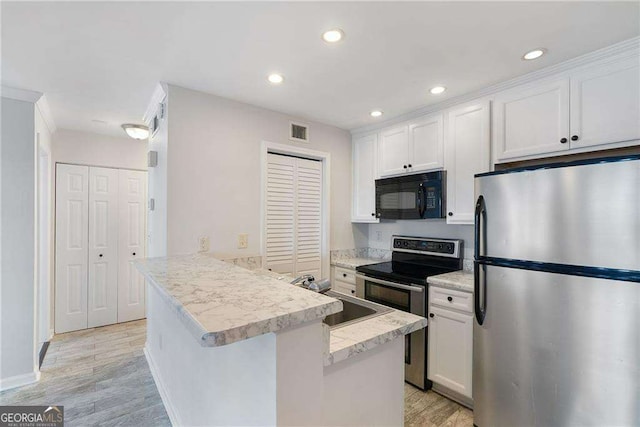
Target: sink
x: 354, y: 310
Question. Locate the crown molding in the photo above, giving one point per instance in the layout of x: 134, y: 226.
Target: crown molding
x: 45, y: 112
x: 159, y: 94
x: 624, y: 49
x: 20, y: 94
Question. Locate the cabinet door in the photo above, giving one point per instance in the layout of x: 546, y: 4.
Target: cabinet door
x: 131, y: 241
x: 72, y: 228
x: 531, y: 121
x: 394, y: 151
x: 364, y: 160
x: 450, y: 361
x: 467, y: 153
x: 426, y: 144
x: 103, y: 247
x: 605, y: 104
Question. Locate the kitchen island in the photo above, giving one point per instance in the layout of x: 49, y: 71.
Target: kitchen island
x: 231, y: 346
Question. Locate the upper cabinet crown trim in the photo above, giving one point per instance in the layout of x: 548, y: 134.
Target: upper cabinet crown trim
x: 159, y: 94
x: 627, y: 48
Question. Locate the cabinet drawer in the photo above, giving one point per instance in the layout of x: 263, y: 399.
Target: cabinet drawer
x: 449, y: 298
x: 345, y: 275
x: 343, y: 287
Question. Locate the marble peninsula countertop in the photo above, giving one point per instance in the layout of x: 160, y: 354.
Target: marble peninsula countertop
x: 457, y: 280
x: 221, y: 303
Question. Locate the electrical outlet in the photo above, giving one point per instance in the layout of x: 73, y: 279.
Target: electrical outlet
x: 203, y: 244
x: 243, y: 241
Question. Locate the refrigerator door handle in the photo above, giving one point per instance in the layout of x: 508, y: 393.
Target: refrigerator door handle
x: 478, y: 284
x: 480, y: 227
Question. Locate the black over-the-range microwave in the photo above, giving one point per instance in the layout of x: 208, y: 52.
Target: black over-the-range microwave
x: 418, y: 196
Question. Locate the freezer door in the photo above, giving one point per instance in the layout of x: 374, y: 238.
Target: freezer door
x: 556, y: 350
x: 586, y: 215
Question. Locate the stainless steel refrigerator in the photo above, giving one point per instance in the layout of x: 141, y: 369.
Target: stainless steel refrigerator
x: 556, y: 339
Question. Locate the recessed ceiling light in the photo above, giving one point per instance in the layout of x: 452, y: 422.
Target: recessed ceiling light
x: 534, y: 54
x: 333, y: 36
x: 376, y: 113
x: 437, y: 90
x: 275, y: 78
x: 136, y: 131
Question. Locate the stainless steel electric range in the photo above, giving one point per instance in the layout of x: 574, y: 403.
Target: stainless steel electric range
x: 402, y: 284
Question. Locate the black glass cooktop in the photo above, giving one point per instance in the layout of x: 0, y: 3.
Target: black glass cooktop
x: 403, y: 272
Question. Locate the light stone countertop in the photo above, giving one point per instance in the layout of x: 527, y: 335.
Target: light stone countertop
x: 221, y: 303
x: 457, y: 280
x: 209, y: 295
x: 352, y: 263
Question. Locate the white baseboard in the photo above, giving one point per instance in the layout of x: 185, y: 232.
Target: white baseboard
x: 171, y: 412
x: 19, y: 380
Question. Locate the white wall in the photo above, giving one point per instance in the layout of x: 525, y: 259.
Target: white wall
x: 17, y: 293
x: 214, y: 171
x: 84, y: 148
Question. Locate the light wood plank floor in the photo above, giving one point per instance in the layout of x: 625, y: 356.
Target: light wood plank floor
x: 102, y: 378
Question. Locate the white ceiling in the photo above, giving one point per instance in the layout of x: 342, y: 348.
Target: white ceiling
x: 101, y: 61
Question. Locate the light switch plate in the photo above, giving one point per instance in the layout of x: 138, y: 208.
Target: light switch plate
x: 203, y: 244
x: 243, y: 241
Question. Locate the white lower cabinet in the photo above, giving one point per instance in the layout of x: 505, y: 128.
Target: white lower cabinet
x: 344, y: 281
x: 450, y: 357
x: 100, y: 228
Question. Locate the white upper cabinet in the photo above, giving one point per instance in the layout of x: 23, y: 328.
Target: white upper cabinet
x: 413, y: 147
x: 466, y: 154
x: 394, y: 150
x: 364, y: 162
x: 426, y: 143
x: 605, y: 104
x: 530, y: 121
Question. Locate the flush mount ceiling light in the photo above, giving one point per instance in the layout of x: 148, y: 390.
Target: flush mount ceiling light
x: 376, y: 113
x: 275, y: 78
x: 534, y: 54
x: 136, y: 131
x: 437, y: 90
x: 333, y: 36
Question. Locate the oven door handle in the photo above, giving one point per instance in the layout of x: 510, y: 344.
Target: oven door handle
x: 390, y: 284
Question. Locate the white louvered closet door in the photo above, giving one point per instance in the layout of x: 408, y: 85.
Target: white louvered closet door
x: 293, y: 215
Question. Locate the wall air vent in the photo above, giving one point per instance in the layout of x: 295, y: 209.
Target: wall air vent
x: 298, y: 132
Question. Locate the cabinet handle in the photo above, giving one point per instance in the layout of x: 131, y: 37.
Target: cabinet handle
x: 431, y: 315
x: 405, y: 166
x: 352, y: 291
x: 450, y: 213
x: 373, y: 214
x: 344, y: 274
x: 134, y: 254
x: 563, y: 141
x: 574, y: 138
x: 100, y: 255
x: 449, y: 299
x: 409, y: 164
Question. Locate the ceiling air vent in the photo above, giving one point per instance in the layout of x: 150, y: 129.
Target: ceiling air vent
x: 298, y: 132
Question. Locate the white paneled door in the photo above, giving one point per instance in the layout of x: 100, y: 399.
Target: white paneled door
x: 102, y: 303
x: 72, y: 226
x: 100, y: 229
x: 293, y: 215
x: 132, y: 230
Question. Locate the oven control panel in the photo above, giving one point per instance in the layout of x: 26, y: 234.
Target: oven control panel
x: 442, y: 247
